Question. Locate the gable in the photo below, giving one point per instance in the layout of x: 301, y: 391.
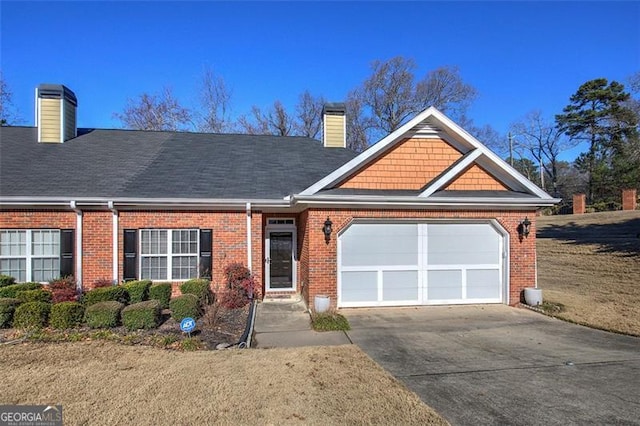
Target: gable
x: 410, y: 164
x: 475, y: 178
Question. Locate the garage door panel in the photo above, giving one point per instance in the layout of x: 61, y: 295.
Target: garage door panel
x: 393, y: 264
x: 400, y: 286
x: 382, y: 244
x: 444, y: 285
x: 359, y: 286
x: 481, y: 283
x: 470, y: 244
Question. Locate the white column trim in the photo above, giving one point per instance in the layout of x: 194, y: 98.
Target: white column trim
x: 249, y: 247
x: 78, y: 256
x: 114, y: 242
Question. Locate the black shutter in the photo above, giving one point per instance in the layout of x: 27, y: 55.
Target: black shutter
x: 205, y: 253
x: 67, y: 243
x: 130, y: 264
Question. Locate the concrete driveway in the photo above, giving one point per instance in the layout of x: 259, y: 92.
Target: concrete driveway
x: 500, y: 365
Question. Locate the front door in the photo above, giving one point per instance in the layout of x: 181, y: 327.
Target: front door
x: 280, y: 261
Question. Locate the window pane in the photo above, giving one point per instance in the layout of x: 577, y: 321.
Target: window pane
x: 154, y: 241
x: 185, y: 241
x: 184, y: 267
x: 17, y: 268
x: 13, y: 243
x: 483, y: 283
x: 45, y: 269
x: 468, y: 244
x: 154, y: 268
x: 45, y: 243
x: 444, y: 285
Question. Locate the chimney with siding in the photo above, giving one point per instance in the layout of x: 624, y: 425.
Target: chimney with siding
x: 334, y: 125
x: 55, y: 113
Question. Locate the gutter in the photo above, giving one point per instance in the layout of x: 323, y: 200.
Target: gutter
x: 249, y: 259
x: 74, y: 207
x: 114, y: 241
x: 235, y: 203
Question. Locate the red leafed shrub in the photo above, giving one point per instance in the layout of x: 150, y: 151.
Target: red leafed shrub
x: 240, y: 286
x: 102, y: 282
x: 63, y: 290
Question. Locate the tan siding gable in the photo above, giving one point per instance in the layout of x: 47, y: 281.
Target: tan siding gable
x: 50, y: 120
x: 69, y: 120
x: 410, y: 165
x: 475, y: 178
x: 334, y: 128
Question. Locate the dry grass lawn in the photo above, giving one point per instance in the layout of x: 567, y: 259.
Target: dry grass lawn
x: 591, y: 264
x: 106, y: 383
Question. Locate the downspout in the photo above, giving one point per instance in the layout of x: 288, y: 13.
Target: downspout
x: 249, y: 257
x: 78, y: 274
x: 114, y: 242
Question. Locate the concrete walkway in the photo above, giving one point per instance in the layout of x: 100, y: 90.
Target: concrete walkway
x: 285, y: 323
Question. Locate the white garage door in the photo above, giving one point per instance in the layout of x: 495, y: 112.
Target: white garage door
x: 393, y: 264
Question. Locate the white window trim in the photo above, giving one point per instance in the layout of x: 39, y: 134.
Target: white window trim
x: 28, y: 250
x: 169, y: 254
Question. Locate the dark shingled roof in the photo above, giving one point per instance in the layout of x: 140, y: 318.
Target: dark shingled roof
x: 142, y: 164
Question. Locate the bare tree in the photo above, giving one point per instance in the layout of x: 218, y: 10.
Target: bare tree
x: 155, y: 112
x: 276, y: 121
x: 309, y: 115
x: 542, y: 141
x: 8, y: 114
x: 215, y: 103
x: 358, y: 124
x: 391, y: 96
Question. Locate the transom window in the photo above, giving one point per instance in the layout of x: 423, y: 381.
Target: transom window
x: 30, y: 255
x: 168, y: 254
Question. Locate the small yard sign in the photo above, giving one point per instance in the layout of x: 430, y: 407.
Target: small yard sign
x: 187, y: 325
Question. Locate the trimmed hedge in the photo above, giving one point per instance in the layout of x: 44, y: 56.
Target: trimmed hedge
x: 145, y: 315
x: 31, y: 315
x: 66, y: 315
x: 11, y: 290
x: 138, y: 290
x: 103, y: 314
x: 199, y: 288
x: 6, y: 280
x: 106, y: 294
x: 185, y: 306
x: 37, y: 295
x: 162, y: 293
x: 8, y: 306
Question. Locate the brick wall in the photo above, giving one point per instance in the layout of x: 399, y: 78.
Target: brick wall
x: 629, y: 199
x: 97, y: 253
x: 319, y: 260
x: 579, y: 203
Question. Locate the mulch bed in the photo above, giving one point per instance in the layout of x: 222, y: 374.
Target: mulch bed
x: 217, y: 326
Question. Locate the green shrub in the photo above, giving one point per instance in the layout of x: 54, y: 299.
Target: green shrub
x: 106, y: 294
x: 37, y: 295
x: 162, y: 293
x: 138, y: 290
x: 6, y: 280
x: 142, y: 315
x: 185, y: 306
x: 31, y: 315
x: 103, y: 314
x: 11, y: 290
x: 199, y: 288
x: 7, y: 308
x: 66, y: 315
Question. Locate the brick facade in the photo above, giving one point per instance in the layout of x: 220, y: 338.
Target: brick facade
x: 579, y: 203
x: 629, y: 199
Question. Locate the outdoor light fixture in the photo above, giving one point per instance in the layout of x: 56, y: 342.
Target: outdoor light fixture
x: 326, y: 229
x: 524, y: 228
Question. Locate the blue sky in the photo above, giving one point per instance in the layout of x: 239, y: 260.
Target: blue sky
x: 520, y: 56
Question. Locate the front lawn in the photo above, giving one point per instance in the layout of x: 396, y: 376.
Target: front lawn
x: 589, y: 268
x: 107, y: 383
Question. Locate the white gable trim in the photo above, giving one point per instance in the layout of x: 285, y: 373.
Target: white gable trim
x: 452, y: 173
x: 416, y: 125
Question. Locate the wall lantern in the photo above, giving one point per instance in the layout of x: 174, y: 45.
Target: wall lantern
x: 524, y: 228
x: 327, y: 229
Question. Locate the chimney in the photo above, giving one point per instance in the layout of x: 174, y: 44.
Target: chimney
x: 55, y: 113
x: 334, y: 125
